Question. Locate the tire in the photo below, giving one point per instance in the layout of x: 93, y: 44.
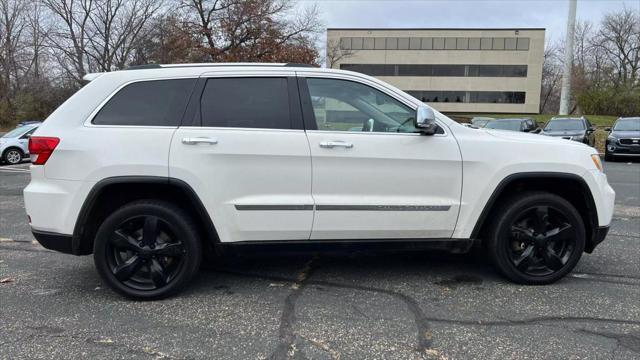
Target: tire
x: 608, y: 157
x: 13, y: 156
x: 147, y: 250
x: 523, y: 243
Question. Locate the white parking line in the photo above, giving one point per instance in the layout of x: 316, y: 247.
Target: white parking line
x: 8, y: 169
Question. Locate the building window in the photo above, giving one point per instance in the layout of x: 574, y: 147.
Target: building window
x: 523, y: 44
x: 474, y: 44
x: 494, y: 97
x: 403, y: 43
x: 414, y: 44
x: 345, y: 43
x: 462, y: 43
x: 498, y: 44
x: 450, y: 43
x: 485, y: 44
x: 368, y: 43
x: 427, y: 43
x: 392, y: 43
x: 438, y: 70
x: 438, y: 43
x: 356, y: 43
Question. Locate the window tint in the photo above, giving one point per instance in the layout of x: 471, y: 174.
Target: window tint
x: 147, y: 103
x: 246, y: 103
x: 340, y: 105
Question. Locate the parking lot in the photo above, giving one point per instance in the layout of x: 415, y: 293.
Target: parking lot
x: 338, y: 305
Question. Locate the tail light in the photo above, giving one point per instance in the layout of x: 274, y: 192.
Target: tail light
x: 41, y: 148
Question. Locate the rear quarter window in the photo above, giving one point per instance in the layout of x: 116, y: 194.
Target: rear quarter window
x: 147, y: 103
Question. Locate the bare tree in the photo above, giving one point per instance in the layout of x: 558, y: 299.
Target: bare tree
x: 253, y: 30
x: 97, y: 35
x: 336, y: 53
x: 12, y: 27
x: 619, y: 40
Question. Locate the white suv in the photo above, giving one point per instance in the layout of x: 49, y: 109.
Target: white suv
x: 151, y: 168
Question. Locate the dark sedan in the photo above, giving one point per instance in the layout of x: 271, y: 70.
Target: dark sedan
x: 576, y: 129
x: 623, y: 139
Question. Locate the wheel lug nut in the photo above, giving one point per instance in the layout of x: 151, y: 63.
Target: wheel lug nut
x: 152, y: 246
x: 141, y: 244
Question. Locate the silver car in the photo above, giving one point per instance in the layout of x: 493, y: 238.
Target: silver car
x: 14, y: 145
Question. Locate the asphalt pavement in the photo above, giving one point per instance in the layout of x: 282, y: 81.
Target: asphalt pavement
x: 341, y: 305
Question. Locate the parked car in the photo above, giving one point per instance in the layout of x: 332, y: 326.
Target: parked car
x: 623, y: 139
x: 14, y: 144
x: 480, y: 121
x: 147, y: 168
x: 576, y: 129
x: 29, y: 122
x: 515, y: 124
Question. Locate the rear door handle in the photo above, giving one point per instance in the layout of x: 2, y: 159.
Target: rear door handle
x: 335, y: 143
x: 199, y: 140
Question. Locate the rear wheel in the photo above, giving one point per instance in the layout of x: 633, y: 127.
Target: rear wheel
x: 147, y: 249
x: 536, y: 238
x: 13, y: 156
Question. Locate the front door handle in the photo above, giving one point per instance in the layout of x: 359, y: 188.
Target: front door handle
x: 335, y: 143
x: 199, y: 140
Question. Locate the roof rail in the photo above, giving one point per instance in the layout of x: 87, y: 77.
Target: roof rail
x: 143, y: 66
x: 298, y: 65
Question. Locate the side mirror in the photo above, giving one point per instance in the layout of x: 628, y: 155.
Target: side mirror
x: 537, y: 131
x: 607, y: 129
x: 25, y: 136
x: 425, y: 120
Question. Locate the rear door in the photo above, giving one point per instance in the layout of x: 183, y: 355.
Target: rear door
x: 246, y: 155
x: 374, y: 177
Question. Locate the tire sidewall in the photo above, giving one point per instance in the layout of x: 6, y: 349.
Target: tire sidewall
x: 186, y: 233
x: 503, y: 230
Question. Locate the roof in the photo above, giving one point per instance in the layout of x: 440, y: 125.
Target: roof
x: 414, y: 29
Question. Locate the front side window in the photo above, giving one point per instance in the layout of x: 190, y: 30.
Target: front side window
x: 246, y: 103
x: 147, y: 103
x: 341, y: 105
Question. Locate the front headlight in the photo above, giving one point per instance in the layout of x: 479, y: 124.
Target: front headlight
x: 596, y: 161
x: 612, y: 139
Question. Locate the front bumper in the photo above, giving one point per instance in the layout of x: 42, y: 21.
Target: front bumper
x: 54, y: 241
x: 597, y: 237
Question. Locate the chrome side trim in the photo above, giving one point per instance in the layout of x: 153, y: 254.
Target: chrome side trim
x: 383, y: 207
x: 344, y: 207
x: 272, y: 207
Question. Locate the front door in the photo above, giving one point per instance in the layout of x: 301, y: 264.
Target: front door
x: 247, y: 157
x: 374, y: 177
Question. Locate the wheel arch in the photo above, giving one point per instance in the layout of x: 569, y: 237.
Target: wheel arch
x: 111, y: 193
x: 567, y: 185
x: 12, y: 147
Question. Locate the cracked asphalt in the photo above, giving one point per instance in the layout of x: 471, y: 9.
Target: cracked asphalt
x: 337, y: 305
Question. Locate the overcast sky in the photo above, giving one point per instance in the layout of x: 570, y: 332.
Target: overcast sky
x: 549, y: 14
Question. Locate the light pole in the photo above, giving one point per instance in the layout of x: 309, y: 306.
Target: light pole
x: 565, y: 93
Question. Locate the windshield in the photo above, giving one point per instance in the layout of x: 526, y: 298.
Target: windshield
x: 513, y: 125
x: 564, y: 124
x: 17, y: 132
x: 627, y: 125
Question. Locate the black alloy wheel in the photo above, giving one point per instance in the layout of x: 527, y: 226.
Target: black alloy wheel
x: 147, y: 249
x: 542, y: 241
x: 536, y: 238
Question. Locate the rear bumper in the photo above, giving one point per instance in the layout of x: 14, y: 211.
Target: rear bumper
x: 54, y: 241
x: 598, y: 236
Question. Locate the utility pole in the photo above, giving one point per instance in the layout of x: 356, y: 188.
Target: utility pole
x: 565, y: 93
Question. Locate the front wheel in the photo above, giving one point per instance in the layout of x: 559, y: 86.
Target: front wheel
x: 147, y: 250
x: 13, y: 156
x: 536, y: 238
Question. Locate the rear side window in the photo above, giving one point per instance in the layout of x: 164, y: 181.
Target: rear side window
x: 246, y: 103
x: 147, y: 103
